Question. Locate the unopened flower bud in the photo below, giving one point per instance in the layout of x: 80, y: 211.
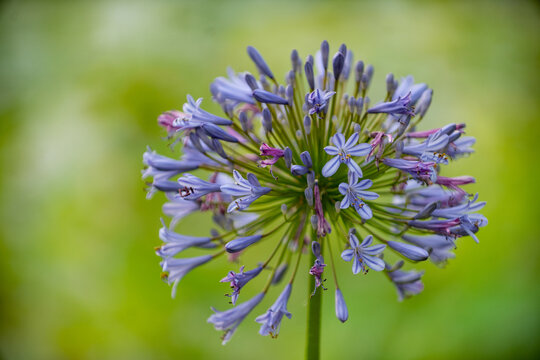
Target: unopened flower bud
x: 267, y: 120
x: 259, y: 62
x: 251, y: 81
x: 325, y: 50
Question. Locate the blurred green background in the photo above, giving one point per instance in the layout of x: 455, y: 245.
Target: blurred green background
x: 81, y: 85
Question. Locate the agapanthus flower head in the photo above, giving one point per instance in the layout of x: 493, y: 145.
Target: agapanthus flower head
x: 268, y: 172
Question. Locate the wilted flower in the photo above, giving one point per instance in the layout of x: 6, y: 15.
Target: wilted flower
x: 275, y: 181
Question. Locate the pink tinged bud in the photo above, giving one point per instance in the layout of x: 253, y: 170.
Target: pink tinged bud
x: 323, y: 227
x: 459, y: 180
x: 422, y: 134
x: 167, y: 119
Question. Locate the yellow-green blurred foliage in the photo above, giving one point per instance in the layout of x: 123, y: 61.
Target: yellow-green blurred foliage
x: 81, y: 85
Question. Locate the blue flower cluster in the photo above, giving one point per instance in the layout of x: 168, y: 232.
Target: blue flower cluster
x: 269, y: 174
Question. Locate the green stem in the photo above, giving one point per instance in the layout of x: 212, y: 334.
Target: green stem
x: 313, y: 334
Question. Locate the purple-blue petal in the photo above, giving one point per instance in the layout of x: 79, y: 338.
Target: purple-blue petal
x: 331, y: 167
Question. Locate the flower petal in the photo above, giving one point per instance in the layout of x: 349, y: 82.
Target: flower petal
x: 352, y: 178
x: 364, y: 211
x: 338, y: 140
x: 357, y: 266
x: 345, y: 203
x: 331, y: 150
x: 253, y: 180
x: 368, y: 195
x: 331, y: 167
x: 367, y: 241
x: 374, y: 262
x: 360, y: 150
x: 235, y: 190
x: 347, y: 254
x: 343, y: 187
x: 409, y: 251
x: 363, y: 184
x: 374, y: 250
x: 354, y: 167
x: 240, y: 179
x: 351, y: 141
x: 353, y: 240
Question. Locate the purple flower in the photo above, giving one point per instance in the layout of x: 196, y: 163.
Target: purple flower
x: 342, y: 313
x: 436, y: 157
x: 178, y: 268
x: 229, y: 320
x: 400, y: 106
x: 249, y: 189
x: 448, y: 129
x: 343, y: 152
x: 408, y: 283
x: 318, y: 267
x: 469, y: 225
x: 318, y: 100
x: 424, y: 102
x: 197, y: 116
x: 399, y: 163
x: 165, y: 167
x: 271, y: 320
x: 323, y: 227
x: 378, y: 141
x: 462, y: 146
x: 434, y: 143
x: 462, y: 226
x: 175, y: 243
x: 191, y: 153
x: 275, y: 153
x: 363, y: 254
x: 161, y: 184
x: 317, y: 270
x: 407, y: 86
x: 459, y: 210
x: 234, y: 89
x: 166, y: 120
x: 179, y: 208
x: 453, y: 183
x: 424, y: 172
x: 424, y: 196
x: 238, y: 280
x: 438, y: 226
x: 195, y: 188
x: 355, y: 195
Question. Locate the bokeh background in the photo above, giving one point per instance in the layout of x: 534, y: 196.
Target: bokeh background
x: 81, y: 85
